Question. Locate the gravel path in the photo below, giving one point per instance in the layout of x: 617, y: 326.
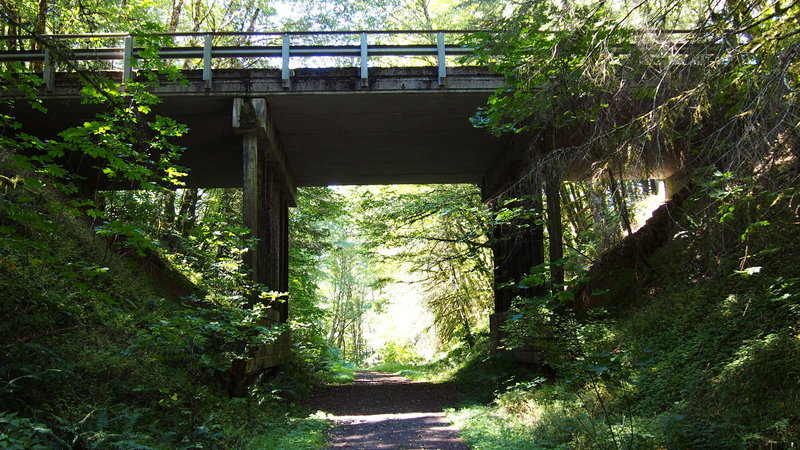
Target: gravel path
x: 385, y: 411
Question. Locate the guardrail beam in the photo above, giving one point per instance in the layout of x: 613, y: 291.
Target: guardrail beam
x: 285, y: 51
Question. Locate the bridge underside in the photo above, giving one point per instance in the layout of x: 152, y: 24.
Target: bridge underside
x: 402, y: 128
x: 249, y: 130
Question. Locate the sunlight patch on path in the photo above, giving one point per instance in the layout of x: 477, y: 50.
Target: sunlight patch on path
x: 399, y: 430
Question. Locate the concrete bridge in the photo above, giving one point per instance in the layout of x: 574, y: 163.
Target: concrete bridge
x: 271, y: 130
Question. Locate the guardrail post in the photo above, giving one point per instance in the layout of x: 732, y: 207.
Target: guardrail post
x: 48, y: 71
x: 207, y: 46
x: 364, y: 62
x: 285, y: 56
x: 440, y: 50
x: 127, y: 59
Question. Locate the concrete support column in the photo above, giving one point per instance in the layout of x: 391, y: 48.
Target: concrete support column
x: 255, y: 207
x: 268, y: 193
x: 674, y: 183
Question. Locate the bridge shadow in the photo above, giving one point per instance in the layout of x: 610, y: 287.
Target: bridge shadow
x: 383, y: 393
x: 381, y: 410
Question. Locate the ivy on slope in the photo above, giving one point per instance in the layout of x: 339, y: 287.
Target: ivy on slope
x: 721, y: 323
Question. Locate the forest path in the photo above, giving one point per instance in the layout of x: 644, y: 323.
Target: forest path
x: 385, y: 411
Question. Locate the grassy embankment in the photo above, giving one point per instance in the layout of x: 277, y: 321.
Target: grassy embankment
x: 100, y: 349
x: 700, y: 347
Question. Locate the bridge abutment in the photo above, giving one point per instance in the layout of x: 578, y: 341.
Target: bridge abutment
x: 518, y: 242
x: 517, y: 246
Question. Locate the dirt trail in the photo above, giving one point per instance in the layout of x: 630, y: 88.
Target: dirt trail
x: 384, y: 411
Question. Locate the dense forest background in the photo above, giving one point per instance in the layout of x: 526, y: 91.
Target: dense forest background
x: 123, y: 310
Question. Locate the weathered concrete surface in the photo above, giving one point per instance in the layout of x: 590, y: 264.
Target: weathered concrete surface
x: 403, y: 128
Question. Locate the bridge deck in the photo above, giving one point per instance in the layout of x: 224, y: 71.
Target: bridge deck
x: 402, y: 128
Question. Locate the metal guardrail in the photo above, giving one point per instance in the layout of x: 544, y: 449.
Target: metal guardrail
x: 128, y: 53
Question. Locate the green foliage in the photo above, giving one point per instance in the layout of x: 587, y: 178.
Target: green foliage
x: 398, y: 353
x: 353, y: 291
x: 126, y: 142
x: 106, y: 351
x: 689, y: 360
x: 338, y: 371
x: 302, y: 433
x: 131, y: 236
x: 551, y: 56
x: 482, y: 429
x: 19, y: 433
x: 442, y: 232
x: 305, y: 434
x: 611, y: 81
x: 123, y: 336
x: 97, y: 355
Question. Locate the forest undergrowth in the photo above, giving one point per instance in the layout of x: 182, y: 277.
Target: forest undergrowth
x: 97, y: 353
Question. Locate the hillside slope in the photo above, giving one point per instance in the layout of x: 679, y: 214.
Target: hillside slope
x: 102, y: 347
x: 697, y: 343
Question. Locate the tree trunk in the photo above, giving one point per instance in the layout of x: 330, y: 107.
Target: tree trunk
x: 597, y: 202
x: 197, y: 16
x: 40, y: 25
x: 426, y: 14
x: 188, y: 210
x: 168, y: 198
x: 572, y: 208
x: 462, y: 308
x: 39, y: 28
x: 619, y: 197
x: 555, y: 231
x: 175, y: 17
x: 10, y: 11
